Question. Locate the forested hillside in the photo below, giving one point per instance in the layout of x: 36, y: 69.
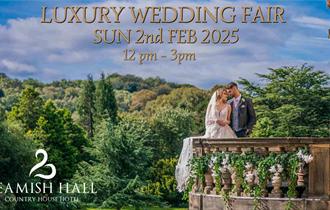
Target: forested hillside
x: 125, y: 133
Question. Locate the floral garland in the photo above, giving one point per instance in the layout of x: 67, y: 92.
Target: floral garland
x: 252, y: 171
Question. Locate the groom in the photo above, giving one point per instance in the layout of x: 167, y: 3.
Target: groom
x: 243, y: 116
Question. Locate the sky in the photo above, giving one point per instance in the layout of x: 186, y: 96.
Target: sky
x: 48, y: 52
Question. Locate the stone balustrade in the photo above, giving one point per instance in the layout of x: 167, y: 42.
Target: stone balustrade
x: 313, y: 179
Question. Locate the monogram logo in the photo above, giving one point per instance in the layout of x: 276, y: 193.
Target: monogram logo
x: 41, y: 164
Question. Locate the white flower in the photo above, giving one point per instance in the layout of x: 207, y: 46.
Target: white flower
x: 224, y: 162
x: 249, y: 177
x: 272, y: 169
x: 300, y: 154
x: 248, y: 165
x: 211, y: 165
x: 214, y: 159
x: 227, y: 157
x: 276, y: 169
x: 308, y: 158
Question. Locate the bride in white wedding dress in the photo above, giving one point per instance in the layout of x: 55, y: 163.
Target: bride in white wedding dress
x: 217, y: 120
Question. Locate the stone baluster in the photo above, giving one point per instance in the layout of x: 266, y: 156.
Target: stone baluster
x: 226, y: 180
x: 237, y: 184
x: 195, y: 186
x: 208, y: 182
x: 300, y: 175
x: 277, y: 183
x: 301, y: 180
x: 250, y: 178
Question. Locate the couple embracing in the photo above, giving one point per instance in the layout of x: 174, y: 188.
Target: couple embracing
x: 223, y: 119
x: 229, y: 119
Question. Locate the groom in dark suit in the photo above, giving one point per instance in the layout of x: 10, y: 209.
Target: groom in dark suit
x: 243, y: 116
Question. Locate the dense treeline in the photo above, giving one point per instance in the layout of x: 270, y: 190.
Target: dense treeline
x: 124, y: 133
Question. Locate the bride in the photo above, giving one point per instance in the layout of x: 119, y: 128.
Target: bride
x: 217, y: 120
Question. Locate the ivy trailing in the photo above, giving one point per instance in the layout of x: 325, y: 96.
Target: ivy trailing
x: 252, y: 170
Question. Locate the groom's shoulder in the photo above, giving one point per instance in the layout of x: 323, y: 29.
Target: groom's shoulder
x: 247, y: 99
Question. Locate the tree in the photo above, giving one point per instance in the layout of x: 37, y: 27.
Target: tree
x: 106, y: 105
x: 2, y: 108
x: 123, y: 99
x: 63, y: 140
x: 16, y: 160
x: 121, y: 165
x: 86, y: 105
x: 2, y: 94
x: 170, y: 127
x: 292, y: 101
x: 162, y: 181
x: 28, y: 109
x: 140, y: 99
x: 16, y: 155
x: 187, y: 98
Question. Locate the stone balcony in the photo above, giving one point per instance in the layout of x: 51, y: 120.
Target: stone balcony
x: 313, y: 179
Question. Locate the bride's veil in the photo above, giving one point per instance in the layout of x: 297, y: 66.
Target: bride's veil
x: 182, y: 170
x: 210, y: 116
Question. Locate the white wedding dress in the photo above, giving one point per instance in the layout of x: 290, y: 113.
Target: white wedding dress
x: 213, y: 130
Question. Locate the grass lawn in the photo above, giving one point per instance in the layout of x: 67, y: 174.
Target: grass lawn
x: 149, y: 208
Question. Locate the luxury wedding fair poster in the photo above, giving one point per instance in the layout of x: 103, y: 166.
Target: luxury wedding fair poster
x: 153, y: 105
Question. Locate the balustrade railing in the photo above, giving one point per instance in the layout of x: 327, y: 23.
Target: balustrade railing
x: 311, y: 173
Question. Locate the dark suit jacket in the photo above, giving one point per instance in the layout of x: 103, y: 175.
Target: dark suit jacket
x: 246, y: 113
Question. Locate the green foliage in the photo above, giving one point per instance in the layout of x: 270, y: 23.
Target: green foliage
x: 133, y: 83
x: 133, y: 161
x: 237, y: 163
x: 191, y: 99
x: 121, y: 160
x: 3, y: 203
x: 86, y: 105
x: 199, y: 166
x: 28, y: 109
x: 106, y: 105
x: 292, y: 101
x: 170, y: 127
x: 2, y: 110
x: 63, y: 140
x: 16, y: 155
x: 123, y: 99
x: 140, y: 99
x: 163, y: 183
x: 2, y: 94
x: 16, y: 160
x: 124, y: 147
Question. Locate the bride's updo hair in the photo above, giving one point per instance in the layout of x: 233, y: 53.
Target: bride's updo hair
x: 219, y: 93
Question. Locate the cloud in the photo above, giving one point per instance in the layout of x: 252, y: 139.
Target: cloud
x: 13, y: 66
x: 313, y: 22
x: 54, y: 51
